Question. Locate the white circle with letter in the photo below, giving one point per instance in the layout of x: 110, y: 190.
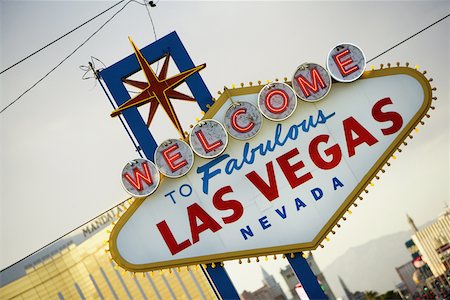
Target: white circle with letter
x: 277, y: 101
x: 243, y: 120
x: 208, y: 138
x: 140, y: 177
x: 346, y: 62
x: 311, y: 82
x: 174, y: 158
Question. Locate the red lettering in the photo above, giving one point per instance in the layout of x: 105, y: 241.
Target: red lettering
x: 139, y: 177
x: 196, y: 212
x: 205, y: 144
x: 307, y: 86
x: 284, y: 105
x: 234, y: 205
x: 333, y: 151
x: 363, y: 136
x: 380, y: 116
x: 270, y: 191
x: 289, y: 169
x: 168, y: 237
x: 236, y: 125
x: 171, y: 159
x: 343, y: 63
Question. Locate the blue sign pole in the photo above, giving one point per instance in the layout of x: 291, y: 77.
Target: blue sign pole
x: 306, y: 276
x: 220, y: 281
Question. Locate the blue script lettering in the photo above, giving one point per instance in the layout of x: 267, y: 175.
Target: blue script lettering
x: 207, y: 175
x: 249, y: 155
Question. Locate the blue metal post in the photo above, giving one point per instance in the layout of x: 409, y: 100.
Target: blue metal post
x: 218, y: 278
x: 306, y: 276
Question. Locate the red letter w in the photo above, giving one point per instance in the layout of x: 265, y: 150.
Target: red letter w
x: 139, y: 177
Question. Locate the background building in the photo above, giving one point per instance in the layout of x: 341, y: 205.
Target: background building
x: 433, y: 243
x: 78, y: 266
x: 406, y: 273
x: 292, y: 282
x: 415, y: 272
x: 270, y: 290
x: 430, y: 251
x: 349, y: 294
x: 320, y: 277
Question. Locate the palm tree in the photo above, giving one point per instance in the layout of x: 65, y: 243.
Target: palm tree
x: 389, y: 295
x: 370, y: 295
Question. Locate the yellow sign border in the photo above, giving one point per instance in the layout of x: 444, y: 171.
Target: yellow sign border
x: 333, y: 220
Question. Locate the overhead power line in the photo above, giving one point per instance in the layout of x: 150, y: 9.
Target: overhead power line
x: 408, y: 38
x: 68, y: 56
x: 151, y: 4
x: 63, y: 36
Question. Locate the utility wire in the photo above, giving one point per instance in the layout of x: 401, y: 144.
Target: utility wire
x: 418, y: 32
x: 153, y: 26
x: 63, y: 36
x: 66, y: 58
x: 136, y: 146
x: 154, y: 31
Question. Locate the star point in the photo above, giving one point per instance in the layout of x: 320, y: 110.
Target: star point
x: 158, y: 90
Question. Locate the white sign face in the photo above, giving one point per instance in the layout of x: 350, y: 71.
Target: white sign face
x: 283, y: 190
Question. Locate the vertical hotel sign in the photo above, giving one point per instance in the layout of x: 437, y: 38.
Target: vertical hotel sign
x: 273, y: 167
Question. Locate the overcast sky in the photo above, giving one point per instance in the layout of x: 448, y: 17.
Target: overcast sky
x: 61, y: 154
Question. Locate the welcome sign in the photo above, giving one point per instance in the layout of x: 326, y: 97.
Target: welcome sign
x: 281, y: 191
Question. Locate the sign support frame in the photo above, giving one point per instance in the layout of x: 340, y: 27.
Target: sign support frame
x: 220, y: 282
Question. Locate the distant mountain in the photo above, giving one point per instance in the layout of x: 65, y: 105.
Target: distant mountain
x: 370, y: 266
